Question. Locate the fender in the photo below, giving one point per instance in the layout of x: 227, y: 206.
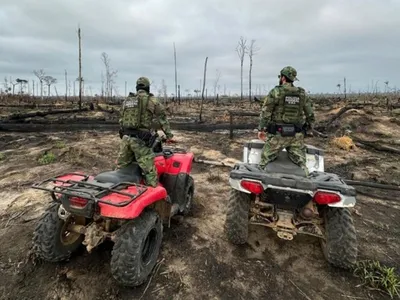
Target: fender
x: 134, y: 209
x: 179, y: 163
x: 176, y: 176
x: 160, y: 164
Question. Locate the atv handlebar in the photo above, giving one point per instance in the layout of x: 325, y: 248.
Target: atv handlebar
x: 159, y: 141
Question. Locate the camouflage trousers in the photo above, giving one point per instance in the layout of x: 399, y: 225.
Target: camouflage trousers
x: 294, y: 146
x: 134, y: 150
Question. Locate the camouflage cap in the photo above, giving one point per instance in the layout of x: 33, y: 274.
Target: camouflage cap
x: 290, y: 73
x: 143, y: 81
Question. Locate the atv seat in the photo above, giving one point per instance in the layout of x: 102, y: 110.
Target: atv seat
x: 131, y: 173
x: 284, y: 165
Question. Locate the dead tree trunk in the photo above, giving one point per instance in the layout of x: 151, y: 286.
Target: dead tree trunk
x: 202, y: 93
x: 176, y: 74
x: 66, y: 86
x: 252, y: 51
x: 179, y: 94
x: 80, y: 69
x: 251, y: 67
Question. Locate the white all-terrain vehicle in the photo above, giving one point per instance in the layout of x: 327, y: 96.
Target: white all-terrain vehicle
x: 283, y: 198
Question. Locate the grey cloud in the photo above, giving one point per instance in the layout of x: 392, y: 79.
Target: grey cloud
x: 324, y: 40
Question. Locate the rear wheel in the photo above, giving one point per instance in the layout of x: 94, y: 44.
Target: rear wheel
x: 136, y: 249
x: 340, y: 246
x: 52, y: 241
x: 237, y: 217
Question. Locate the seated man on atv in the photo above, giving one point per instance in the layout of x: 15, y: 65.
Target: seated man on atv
x: 138, y: 131
x: 282, y: 123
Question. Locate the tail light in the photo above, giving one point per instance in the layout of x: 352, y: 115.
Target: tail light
x: 77, y: 202
x: 326, y: 198
x: 251, y: 186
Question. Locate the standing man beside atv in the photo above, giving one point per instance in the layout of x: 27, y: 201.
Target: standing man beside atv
x: 138, y: 131
x: 285, y: 117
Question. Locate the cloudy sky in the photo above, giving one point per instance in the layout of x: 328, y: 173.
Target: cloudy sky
x: 324, y: 40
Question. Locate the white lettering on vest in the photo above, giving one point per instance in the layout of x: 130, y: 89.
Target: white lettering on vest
x: 292, y: 100
x: 131, y: 103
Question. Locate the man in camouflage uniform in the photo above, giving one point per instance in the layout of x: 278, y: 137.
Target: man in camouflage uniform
x: 138, y: 130
x: 286, y: 113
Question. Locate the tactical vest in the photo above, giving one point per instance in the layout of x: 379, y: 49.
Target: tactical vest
x: 291, y: 101
x: 135, y: 113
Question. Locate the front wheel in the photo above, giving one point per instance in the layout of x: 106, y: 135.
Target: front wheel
x: 237, y: 217
x: 136, y: 249
x: 189, y: 193
x: 340, y: 246
x: 52, y: 241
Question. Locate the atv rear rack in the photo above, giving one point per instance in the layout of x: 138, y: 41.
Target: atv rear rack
x: 96, y: 190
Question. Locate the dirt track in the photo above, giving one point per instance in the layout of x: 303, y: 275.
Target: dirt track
x: 197, y: 261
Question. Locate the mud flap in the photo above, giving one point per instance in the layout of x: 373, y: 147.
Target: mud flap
x: 176, y: 188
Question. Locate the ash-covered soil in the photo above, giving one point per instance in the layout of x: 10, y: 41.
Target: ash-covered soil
x: 197, y: 261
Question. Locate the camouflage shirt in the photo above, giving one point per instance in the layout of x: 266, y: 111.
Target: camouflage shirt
x: 286, y: 104
x: 144, y: 111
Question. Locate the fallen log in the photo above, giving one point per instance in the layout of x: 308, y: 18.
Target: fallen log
x: 44, y: 113
x: 320, y: 134
x: 111, y: 126
x: 341, y: 112
x: 375, y: 145
x: 64, y: 120
x: 213, y: 163
x: 349, y: 182
x: 373, y: 185
x: 376, y: 196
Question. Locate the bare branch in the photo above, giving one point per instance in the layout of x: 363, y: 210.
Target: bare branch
x: 241, y: 50
x: 110, y: 74
x: 49, y: 80
x: 40, y: 74
x: 251, y: 52
x: 217, y: 77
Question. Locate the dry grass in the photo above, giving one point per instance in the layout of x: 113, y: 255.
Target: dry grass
x: 214, y: 176
x: 344, y: 142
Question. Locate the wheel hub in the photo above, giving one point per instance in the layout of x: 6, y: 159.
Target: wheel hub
x: 68, y: 236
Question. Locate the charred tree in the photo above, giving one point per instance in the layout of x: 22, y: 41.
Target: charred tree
x: 80, y: 68
x: 202, y: 93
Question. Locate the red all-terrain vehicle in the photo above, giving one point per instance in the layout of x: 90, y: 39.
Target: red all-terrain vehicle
x: 116, y: 205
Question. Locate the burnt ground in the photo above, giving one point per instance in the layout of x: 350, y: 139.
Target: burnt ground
x: 197, y: 261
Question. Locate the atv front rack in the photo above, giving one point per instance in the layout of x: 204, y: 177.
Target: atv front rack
x: 91, y: 191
